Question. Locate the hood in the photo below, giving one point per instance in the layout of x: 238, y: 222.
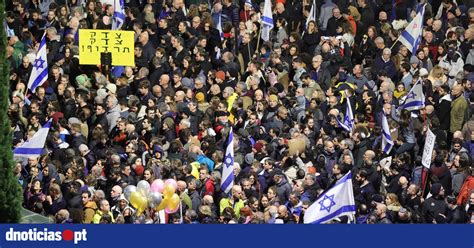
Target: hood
x: 91, y: 204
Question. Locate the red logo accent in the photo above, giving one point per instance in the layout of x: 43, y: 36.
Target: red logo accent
x: 68, y: 235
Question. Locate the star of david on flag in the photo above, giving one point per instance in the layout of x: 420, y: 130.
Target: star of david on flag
x: 411, y: 36
x: 415, y: 99
x: 39, y: 74
x: 348, y: 123
x: 228, y: 169
x: 336, y: 201
x: 327, y: 203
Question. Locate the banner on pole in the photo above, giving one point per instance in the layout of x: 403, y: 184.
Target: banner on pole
x: 119, y: 43
x: 428, y: 149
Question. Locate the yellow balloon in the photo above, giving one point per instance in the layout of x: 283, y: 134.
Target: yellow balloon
x: 162, y: 205
x: 173, y: 202
x: 138, y: 201
x: 168, y: 191
x: 134, y: 199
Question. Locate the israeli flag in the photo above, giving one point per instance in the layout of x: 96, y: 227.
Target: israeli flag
x: 335, y: 202
x: 411, y: 36
x: 119, y: 14
x: 348, y: 123
x: 311, y: 16
x: 219, y: 27
x: 415, y: 98
x: 228, y: 163
x: 39, y: 74
x: 267, y: 20
x: 34, y: 147
x: 387, y: 142
x: 9, y: 31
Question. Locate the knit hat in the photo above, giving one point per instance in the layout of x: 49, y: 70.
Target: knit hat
x: 414, y: 60
x: 83, y: 148
x: 200, y: 97
x: 258, y: 146
x: 423, y: 72
x: 112, y: 88
x: 220, y: 75
x: 122, y: 198
x: 83, y: 80
x: 435, y: 189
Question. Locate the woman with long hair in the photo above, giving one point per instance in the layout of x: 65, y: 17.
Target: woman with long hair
x: 311, y: 38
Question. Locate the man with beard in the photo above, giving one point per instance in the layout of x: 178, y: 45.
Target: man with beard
x: 365, y: 189
x: 309, y: 188
x: 283, y: 187
x: 369, y: 164
x: 435, y: 208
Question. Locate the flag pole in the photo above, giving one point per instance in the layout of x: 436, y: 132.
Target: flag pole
x: 258, y: 39
x: 394, y: 44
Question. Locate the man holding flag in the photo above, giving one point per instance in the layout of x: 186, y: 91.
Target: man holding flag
x: 227, y: 183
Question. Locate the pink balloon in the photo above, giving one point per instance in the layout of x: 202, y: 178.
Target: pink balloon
x: 157, y: 186
x: 171, y: 211
x: 172, y: 182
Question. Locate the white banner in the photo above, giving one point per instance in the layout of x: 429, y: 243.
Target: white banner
x: 428, y: 149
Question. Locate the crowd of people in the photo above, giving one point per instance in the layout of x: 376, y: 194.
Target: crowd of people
x: 202, y: 70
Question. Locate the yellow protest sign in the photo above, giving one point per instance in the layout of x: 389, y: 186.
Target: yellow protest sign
x: 93, y: 42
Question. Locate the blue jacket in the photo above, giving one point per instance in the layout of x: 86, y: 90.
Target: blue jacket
x: 205, y: 160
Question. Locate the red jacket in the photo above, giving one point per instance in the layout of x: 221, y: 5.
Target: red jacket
x: 465, y: 190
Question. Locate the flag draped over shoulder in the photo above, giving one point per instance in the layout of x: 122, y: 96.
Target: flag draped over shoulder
x: 228, y: 163
x: 34, y: 147
x: 335, y: 202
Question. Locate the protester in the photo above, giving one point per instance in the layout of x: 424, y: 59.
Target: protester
x: 306, y: 105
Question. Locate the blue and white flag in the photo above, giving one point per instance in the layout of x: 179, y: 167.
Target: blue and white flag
x: 39, y: 74
x: 267, y: 20
x: 228, y: 163
x: 9, y: 31
x: 348, y: 123
x: 411, y: 36
x: 219, y: 26
x: 415, y: 99
x: 387, y: 142
x: 335, y: 202
x: 312, y: 15
x: 34, y: 147
x: 119, y: 14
